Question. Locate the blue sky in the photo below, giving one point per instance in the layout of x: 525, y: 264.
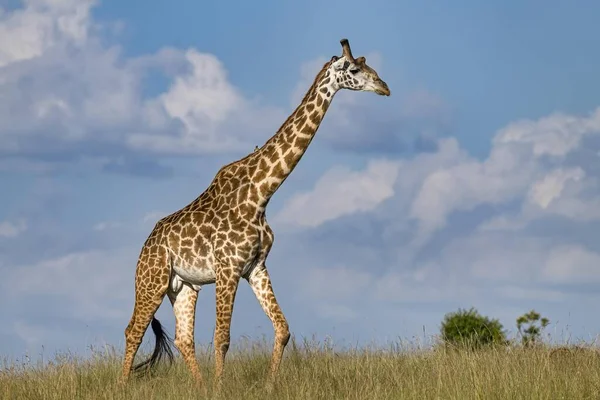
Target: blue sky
x: 474, y: 184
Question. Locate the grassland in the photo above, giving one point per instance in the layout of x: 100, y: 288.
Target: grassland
x: 312, y: 371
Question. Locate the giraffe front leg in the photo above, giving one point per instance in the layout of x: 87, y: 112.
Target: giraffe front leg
x: 227, y: 280
x: 261, y: 286
x: 184, y: 308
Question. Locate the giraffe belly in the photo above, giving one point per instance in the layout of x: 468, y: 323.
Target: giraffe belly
x: 195, y: 276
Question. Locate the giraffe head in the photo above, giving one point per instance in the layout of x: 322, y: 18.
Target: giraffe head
x: 355, y: 74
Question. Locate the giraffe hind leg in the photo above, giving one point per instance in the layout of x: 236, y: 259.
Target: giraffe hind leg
x: 149, y: 294
x: 184, y: 308
x: 162, y: 347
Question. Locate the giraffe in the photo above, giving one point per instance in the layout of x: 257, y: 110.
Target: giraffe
x: 223, y: 235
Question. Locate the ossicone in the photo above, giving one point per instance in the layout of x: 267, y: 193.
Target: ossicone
x: 346, y: 52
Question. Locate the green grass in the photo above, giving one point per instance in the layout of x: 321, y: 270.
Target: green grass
x: 312, y: 371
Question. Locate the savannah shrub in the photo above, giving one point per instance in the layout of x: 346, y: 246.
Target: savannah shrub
x: 467, y: 328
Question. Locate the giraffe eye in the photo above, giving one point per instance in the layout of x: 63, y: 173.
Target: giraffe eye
x: 354, y: 71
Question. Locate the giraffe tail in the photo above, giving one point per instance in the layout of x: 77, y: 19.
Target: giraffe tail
x: 162, y: 347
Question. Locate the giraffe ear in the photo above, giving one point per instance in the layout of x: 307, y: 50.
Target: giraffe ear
x: 360, y: 61
x: 337, y: 63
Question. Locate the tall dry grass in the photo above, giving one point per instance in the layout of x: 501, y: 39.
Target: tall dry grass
x: 313, y: 371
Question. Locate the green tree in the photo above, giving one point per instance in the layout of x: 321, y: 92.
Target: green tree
x: 467, y: 328
x: 530, y: 327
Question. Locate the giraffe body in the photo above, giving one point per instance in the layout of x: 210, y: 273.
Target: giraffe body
x: 223, y: 235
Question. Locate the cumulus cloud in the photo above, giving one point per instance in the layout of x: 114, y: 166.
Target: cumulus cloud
x: 514, y: 226
x: 521, y: 167
x: 525, y: 162
x: 215, y: 117
x: 554, y: 135
x: 551, y: 186
x: 65, y: 94
x: 341, y: 192
x: 31, y: 31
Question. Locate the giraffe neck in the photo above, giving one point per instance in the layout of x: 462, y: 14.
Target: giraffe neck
x: 282, y: 152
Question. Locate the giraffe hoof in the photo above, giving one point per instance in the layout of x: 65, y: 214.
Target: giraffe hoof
x: 203, y: 391
x: 269, y: 386
x: 217, y: 387
x: 201, y: 387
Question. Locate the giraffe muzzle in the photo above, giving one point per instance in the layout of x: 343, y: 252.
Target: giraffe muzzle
x: 382, y: 88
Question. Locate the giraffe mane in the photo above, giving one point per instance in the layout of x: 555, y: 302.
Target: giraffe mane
x: 308, y: 93
x: 317, y: 78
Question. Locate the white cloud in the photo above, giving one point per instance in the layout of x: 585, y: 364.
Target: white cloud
x: 214, y: 114
x: 41, y: 24
x: 429, y: 254
x: 549, y: 188
x: 567, y: 192
x: 63, y: 90
x: 467, y: 184
x: 341, y: 192
x: 492, y: 254
x: 513, y: 170
x: 12, y: 229
x: 554, y: 135
x: 205, y: 93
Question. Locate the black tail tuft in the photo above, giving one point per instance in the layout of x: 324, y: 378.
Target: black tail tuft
x: 161, y: 348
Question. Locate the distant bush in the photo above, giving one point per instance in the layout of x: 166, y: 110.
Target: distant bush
x: 467, y: 328
x: 530, y: 326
